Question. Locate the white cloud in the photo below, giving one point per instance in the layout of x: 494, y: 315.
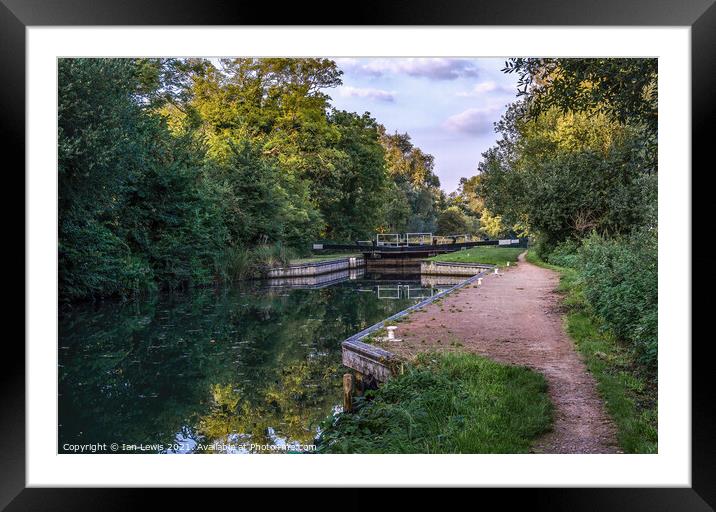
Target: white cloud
x: 366, y: 92
x: 474, y: 121
x: 484, y: 88
x: 431, y: 68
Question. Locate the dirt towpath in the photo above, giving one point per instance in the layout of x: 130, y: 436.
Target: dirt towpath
x: 516, y: 318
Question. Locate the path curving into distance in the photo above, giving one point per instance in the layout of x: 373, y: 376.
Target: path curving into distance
x: 516, y: 318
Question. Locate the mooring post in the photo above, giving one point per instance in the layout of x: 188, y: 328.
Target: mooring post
x: 348, y: 386
x: 359, y: 384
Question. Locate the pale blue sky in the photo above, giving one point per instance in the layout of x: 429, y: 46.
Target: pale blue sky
x: 448, y: 106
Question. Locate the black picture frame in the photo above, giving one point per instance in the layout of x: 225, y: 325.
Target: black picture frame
x: 700, y: 15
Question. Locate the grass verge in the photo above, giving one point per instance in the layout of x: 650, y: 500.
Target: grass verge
x: 446, y: 403
x: 628, y: 390
x: 323, y: 257
x: 488, y: 255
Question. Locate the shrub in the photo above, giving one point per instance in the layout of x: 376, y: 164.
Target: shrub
x: 98, y: 263
x: 232, y: 264
x: 235, y: 263
x: 272, y: 255
x: 564, y: 254
x: 620, y: 283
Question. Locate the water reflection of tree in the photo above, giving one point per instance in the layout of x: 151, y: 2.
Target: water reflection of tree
x: 293, y: 406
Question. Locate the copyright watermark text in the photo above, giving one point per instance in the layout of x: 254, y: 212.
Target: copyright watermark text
x: 214, y: 447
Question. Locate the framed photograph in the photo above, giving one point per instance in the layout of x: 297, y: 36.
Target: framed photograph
x: 421, y: 249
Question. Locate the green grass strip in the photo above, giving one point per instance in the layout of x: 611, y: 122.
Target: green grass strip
x: 629, y: 392
x: 489, y: 255
x: 324, y: 257
x: 447, y: 403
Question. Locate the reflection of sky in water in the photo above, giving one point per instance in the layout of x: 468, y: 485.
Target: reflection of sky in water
x: 239, y: 366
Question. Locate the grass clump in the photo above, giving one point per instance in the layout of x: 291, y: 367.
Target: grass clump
x: 628, y: 387
x: 446, y: 403
x: 237, y: 263
x: 489, y: 255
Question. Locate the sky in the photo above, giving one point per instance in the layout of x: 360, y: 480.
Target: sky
x: 447, y: 105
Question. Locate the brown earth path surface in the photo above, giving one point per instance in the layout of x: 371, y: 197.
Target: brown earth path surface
x: 516, y: 318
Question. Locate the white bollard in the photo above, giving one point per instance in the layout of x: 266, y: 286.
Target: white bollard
x: 495, y: 270
x: 391, y: 332
x: 508, y: 263
x: 479, y: 281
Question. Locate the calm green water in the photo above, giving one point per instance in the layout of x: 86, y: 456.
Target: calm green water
x: 213, y: 371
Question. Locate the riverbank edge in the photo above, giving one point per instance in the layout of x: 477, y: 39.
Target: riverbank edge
x: 357, y: 337
x: 619, y: 383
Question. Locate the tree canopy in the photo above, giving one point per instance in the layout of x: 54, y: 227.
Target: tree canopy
x: 182, y: 172
x: 575, y: 153
x: 575, y: 165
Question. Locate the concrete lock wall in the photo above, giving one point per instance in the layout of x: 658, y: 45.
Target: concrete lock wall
x: 314, y: 269
x: 402, y: 265
x: 452, y: 269
x: 317, y: 281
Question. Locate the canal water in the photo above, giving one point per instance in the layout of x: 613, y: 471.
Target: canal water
x: 249, y: 368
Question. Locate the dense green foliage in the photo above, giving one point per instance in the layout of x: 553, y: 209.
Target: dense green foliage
x: 447, y: 403
x: 414, y: 196
x: 620, y: 283
x: 565, y: 175
x: 624, y: 89
x: 452, y: 221
x: 628, y: 388
x: 133, y: 210
x: 466, y: 212
x: 180, y: 172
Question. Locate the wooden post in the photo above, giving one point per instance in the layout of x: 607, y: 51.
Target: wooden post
x: 359, y: 386
x: 348, y: 385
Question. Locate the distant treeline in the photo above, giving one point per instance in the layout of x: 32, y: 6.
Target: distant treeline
x: 181, y: 172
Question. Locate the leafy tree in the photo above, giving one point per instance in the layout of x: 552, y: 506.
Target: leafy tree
x: 170, y: 220
x: 395, y: 210
x: 412, y: 170
x: 179, y: 172
x: 467, y: 197
x: 360, y: 179
x: 563, y: 175
x: 133, y: 210
x: 103, y: 141
x: 491, y: 225
x: 468, y: 202
x: 451, y: 221
x: 624, y: 89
